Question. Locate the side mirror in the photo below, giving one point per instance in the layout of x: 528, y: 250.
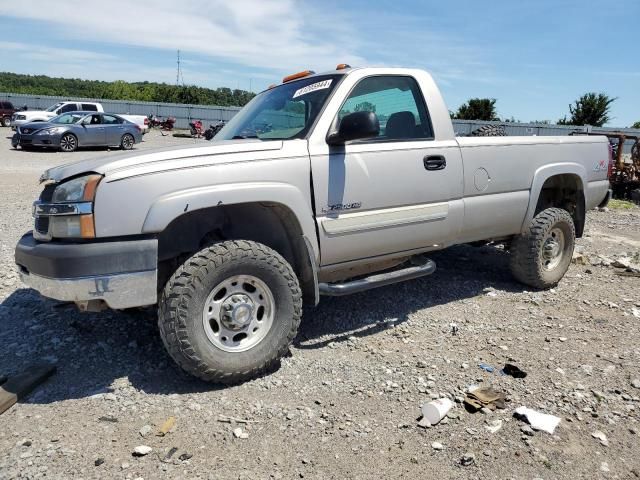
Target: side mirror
x: 355, y: 126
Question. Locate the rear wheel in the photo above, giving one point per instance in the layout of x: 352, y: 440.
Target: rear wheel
x: 541, y: 256
x: 230, y: 311
x: 68, y: 142
x: 6, y: 121
x: 127, y: 141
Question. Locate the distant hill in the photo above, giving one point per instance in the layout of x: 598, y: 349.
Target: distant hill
x: 120, y: 90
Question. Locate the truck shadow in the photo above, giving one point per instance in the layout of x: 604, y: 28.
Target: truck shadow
x: 96, y: 351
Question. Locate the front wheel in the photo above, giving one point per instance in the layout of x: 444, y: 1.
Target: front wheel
x: 68, y: 143
x: 230, y: 311
x: 127, y: 141
x: 6, y: 121
x: 541, y: 256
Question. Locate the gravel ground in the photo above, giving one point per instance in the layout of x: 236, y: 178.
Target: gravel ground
x: 345, y: 403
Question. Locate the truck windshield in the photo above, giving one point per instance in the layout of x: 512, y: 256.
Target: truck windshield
x: 53, y: 108
x: 281, y: 113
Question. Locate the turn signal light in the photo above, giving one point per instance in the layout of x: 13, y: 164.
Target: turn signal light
x: 87, y: 228
x: 298, y: 75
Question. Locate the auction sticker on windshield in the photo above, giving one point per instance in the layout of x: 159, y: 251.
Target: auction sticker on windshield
x: 312, y: 88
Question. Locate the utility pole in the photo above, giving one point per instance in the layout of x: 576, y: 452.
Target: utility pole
x: 178, y: 72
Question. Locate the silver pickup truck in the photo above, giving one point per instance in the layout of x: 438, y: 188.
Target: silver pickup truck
x: 327, y: 184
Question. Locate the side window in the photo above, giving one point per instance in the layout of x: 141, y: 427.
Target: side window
x: 398, y: 103
x: 111, y: 120
x: 89, y: 107
x: 70, y: 107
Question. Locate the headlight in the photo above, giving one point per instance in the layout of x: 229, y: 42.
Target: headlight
x: 81, y: 189
x: 79, y: 194
x: 49, y: 131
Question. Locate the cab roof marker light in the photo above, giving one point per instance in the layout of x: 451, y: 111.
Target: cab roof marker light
x: 298, y: 75
x: 342, y: 66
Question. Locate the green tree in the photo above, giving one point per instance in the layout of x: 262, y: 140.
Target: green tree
x: 636, y: 125
x: 590, y: 109
x: 478, y: 109
x: 365, y: 107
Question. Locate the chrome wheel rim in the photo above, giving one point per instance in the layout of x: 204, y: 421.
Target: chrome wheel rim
x: 238, y: 313
x: 127, y: 141
x: 553, y: 248
x: 68, y: 143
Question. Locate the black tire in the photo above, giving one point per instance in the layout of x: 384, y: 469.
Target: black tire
x: 127, y: 141
x: 6, y: 121
x: 208, y: 134
x: 489, y: 131
x: 68, y: 143
x: 182, y: 306
x: 530, y: 252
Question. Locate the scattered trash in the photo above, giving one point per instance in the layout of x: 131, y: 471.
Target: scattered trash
x: 436, y: 410
x: 467, y: 459
x: 494, y: 426
x: 598, y: 435
x: 145, y: 430
x: 142, y: 450
x: 227, y: 419
x: 98, y: 462
x: 437, y: 446
x: 186, y: 456
x: 19, y: 386
x: 239, y: 433
x: 513, y: 371
x: 635, y: 311
x: 486, y: 368
x: 170, y: 454
x: 454, y: 328
x: 424, y: 423
x: 537, y: 420
x: 168, y: 424
x: 108, y: 418
x: 485, y: 397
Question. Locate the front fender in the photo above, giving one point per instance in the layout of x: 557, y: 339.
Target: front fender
x: 542, y: 175
x: 170, y: 206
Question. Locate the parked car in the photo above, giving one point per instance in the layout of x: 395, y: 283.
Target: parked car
x: 6, y: 110
x: 73, y: 130
x: 30, y: 116
x: 230, y: 238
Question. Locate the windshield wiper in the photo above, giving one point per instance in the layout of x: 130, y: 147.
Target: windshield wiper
x: 242, y: 137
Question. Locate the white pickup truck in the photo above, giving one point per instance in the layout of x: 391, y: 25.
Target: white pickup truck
x: 27, y: 116
x: 326, y: 184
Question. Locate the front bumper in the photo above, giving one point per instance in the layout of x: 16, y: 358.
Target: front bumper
x: 35, y: 140
x: 121, y: 273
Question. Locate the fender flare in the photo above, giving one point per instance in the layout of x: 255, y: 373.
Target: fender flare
x: 172, y: 205
x: 541, y: 175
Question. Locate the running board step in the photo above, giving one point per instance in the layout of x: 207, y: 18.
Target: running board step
x: 421, y: 267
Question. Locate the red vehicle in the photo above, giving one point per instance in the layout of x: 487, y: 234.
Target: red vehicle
x: 157, y: 122
x: 197, y: 129
x: 6, y: 110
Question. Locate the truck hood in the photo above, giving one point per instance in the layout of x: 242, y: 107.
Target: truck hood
x: 39, y: 113
x: 210, y: 153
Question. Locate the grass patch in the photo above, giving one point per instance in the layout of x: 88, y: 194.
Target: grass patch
x: 621, y: 204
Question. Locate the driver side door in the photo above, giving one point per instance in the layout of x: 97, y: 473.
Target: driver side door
x: 93, y: 131
x: 391, y: 194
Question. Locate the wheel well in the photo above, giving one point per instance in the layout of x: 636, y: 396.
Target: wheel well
x: 271, y: 224
x: 564, y: 191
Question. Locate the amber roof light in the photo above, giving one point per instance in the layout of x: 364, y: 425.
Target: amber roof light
x: 342, y: 66
x: 298, y: 75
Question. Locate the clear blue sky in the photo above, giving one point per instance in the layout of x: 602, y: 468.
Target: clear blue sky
x: 534, y: 57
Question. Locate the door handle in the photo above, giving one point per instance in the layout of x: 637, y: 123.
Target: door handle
x: 435, y: 162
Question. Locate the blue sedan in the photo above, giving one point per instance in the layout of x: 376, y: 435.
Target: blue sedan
x: 72, y: 130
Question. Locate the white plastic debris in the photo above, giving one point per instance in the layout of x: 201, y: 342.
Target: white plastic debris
x: 436, y: 410
x: 537, y: 420
x: 142, y: 450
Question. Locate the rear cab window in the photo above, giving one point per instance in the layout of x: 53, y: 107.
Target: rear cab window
x: 89, y: 107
